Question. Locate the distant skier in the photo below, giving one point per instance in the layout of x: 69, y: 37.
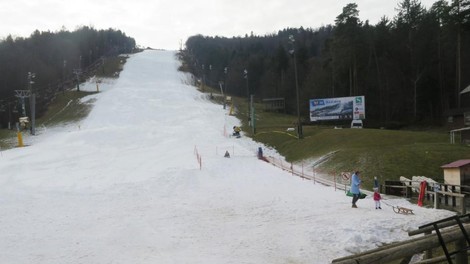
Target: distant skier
x: 260, y: 153
x: 227, y: 155
x: 236, y: 131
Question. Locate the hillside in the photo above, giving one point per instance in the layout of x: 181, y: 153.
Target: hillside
x: 142, y: 179
x: 383, y: 153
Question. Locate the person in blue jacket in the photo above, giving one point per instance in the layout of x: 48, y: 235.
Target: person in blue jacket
x: 355, y: 183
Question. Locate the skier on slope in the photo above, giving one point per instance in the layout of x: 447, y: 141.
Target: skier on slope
x: 236, y: 131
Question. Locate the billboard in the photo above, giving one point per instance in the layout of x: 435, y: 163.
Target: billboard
x: 339, y: 108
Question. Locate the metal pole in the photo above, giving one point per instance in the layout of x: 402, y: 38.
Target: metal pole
x: 63, y: 77
x: 225, y: 81
x: 23, y: 107
x: 225, y: 84
x: 32, y: 102
x: 203, y: 77
x: 299, y: 124
x: 33, y: 114
x: 252, y: 115
x: 9, y: 115
x: 245, y: 74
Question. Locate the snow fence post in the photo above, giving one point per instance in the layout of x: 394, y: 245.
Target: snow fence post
x: 314, y: 174
x: 334, y: 177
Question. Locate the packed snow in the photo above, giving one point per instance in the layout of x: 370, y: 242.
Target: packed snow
x: 125, y: 185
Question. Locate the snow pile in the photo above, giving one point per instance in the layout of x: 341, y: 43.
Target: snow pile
x: 124, y: 186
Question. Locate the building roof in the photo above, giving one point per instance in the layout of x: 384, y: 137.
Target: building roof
x: 455, y: 130
x: 457, y: 164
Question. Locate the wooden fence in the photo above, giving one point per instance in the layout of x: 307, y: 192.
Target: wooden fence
x: 441, y: 195
x: 340, y: 180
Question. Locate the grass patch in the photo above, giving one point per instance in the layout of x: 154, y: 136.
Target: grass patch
x: 6, y: 134
x: 112, y: 67
x: 67, y: 108
x: 386, y: 154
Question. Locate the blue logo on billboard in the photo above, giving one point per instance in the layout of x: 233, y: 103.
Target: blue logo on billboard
x: 318, y: 102
x: 358, y: 100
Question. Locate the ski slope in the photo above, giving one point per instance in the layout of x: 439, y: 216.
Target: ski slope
x: 124, y: 186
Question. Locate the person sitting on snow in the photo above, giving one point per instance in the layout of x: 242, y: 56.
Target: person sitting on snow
x: 236, y: 131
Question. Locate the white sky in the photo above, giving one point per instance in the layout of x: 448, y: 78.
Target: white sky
x: 164, y: 24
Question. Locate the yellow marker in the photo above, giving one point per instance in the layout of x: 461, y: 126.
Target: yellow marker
x: 20, y: 139
x: 231, y: 109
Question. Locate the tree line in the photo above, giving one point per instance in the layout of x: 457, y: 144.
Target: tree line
x: 409, y: 68
x: 48, y: 62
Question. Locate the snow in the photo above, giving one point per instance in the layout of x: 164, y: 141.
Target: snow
x: 124, y: 186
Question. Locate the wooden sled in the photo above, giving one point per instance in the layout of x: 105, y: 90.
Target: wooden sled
x: 402, y: 210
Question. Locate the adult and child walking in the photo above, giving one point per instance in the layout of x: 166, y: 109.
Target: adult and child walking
x: 356, y: 192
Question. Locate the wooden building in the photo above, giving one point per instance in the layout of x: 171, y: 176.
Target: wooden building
x: 274, y: 104
x: 457, y: 172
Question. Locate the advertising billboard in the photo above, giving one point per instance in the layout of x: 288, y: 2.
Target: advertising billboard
x: 339, y: 108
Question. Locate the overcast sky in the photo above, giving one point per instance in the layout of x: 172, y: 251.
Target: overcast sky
x: 167, y: 23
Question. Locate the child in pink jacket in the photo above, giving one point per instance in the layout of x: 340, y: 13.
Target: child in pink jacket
x: 377, y: 198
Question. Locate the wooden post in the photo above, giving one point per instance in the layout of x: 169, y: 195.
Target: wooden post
x: 461, y: 257
x: 428, y: 253
x: 453, y: 197
x: 446, y: 198
x: 463, y: 209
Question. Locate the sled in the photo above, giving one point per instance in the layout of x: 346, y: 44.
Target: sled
x: 402, y: 210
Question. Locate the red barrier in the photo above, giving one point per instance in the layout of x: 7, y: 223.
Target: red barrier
x: 422, y: 192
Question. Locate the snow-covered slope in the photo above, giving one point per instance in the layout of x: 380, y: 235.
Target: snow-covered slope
x: 125, y: 186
